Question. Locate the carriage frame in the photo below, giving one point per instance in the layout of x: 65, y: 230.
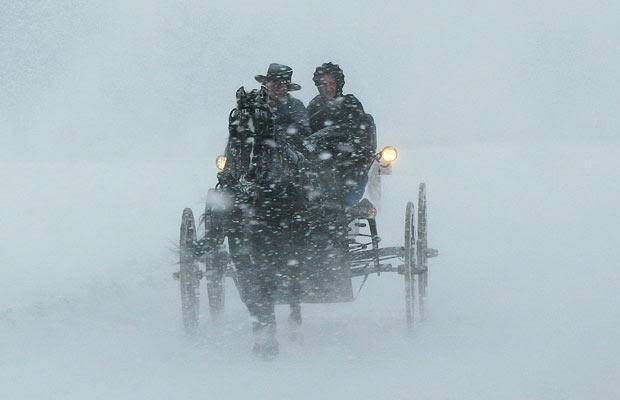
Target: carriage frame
x: 208, y: 258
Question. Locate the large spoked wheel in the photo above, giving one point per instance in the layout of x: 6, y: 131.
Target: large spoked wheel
x: 189, y: 273
x: 409, y: 266
x: 422, y: 250
x: 216, y: 260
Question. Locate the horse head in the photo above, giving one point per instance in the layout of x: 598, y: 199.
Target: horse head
x: 256, y: 155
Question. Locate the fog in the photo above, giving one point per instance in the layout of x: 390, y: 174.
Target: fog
x: 111, y: 116
x: 123, y: 79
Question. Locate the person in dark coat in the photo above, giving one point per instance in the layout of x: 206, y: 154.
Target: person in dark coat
x: 290, y: 115
x: 340, y: 151
x: 343, y: 136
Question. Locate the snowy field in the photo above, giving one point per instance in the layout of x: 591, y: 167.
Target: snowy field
x: 112, y: 114
x: 523, y: 298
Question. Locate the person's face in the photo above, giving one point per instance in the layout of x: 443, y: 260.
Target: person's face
x: 328, y: 86
x: 276, y: 88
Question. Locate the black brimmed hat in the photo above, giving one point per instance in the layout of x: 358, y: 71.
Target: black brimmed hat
x: 279, y: 72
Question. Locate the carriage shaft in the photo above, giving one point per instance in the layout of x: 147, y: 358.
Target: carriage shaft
x: 371, y: 269
x: 370, y: 255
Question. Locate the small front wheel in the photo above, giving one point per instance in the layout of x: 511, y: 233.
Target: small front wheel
x: 216, y: 263
x: 216, y: 259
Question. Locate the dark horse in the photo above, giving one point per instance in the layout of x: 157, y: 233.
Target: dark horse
x: 263, y: 173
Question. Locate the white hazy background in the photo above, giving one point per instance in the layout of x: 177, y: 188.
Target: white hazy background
x: 112, y: 113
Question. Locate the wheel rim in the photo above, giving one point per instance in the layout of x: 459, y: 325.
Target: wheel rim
x: 214, y: 262
x: 189, y: 274
x: 409, y: 265
x: 422, y: 247
x: 216, y: 268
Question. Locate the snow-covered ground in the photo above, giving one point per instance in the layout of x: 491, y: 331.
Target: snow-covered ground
x: 112, y: 113
x: 523, y: 298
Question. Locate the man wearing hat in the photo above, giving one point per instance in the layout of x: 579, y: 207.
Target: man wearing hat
x: 291, y: 116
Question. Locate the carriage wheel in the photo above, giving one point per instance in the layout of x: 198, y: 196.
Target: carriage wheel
x: 216, y: 268
x: 215, y: 261
x: 421, y: 249
x: 189, y: 274
x: 409, y: 266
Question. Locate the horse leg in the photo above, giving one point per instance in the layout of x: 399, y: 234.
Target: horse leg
x: 294, y: 323
x: 294, y: 318
x: 263, y: 289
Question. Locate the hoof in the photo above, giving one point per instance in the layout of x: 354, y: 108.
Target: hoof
x: 266, y: 351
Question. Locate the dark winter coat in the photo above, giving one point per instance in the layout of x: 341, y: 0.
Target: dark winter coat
x: 343, y: 110
x: 349, y: 145
x: 291, y: 119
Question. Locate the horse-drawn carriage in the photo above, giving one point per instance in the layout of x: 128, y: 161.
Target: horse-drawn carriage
x: 329, y: 280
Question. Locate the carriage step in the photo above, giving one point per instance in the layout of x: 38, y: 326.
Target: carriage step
x: 430, y: 253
